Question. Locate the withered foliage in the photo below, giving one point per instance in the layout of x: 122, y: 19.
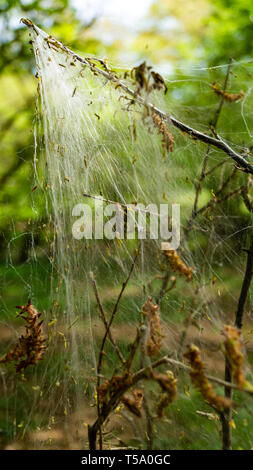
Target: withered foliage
x: 201, y: 382
x: 227, y: 96
x: 30, y: 347
x: 168, y: 384
x: 114, y: 386
x: 158, y: 82
x: 134, y: 405
x: 154, y: 337
x: 147, y: 79
x: 103, y: 391
x: 177, y: 264
x: 162, y: 404
x: 233, y: 349
x: 167, y: 137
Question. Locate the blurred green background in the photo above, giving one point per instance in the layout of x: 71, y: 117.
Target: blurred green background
x: 181, y: 39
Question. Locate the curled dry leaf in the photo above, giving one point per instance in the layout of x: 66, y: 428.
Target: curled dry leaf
x: 115, y: 385
x: 233, y: 349
x: 167, y: 137
x: 154, y: 337
x: 227, y: 96
x: 147, y: 79
x: 134, y: 405
x: 30, y: 347
x: 168, y: 384
x: 201, y: 382
x: 178, y: 265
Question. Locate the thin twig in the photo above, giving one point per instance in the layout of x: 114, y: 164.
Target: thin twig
x: 133, y: 348
x: 124, y: 284
x: 146, y: 362
x: 204, y: 173
x: 246, y: 199
x: 187, y: 322
x: 100, y: 306
x: 167, y: 360
x: 213, y: 202
x: 164, y: 286
x: 207, y: 173
x: 93, y: 431
x: 115, y: 309
x: 245, y: 287
x: 218, y: 112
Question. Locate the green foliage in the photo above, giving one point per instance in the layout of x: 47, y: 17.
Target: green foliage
x: 229, y: 31
x: 207, y: 31
x: 14, y: 48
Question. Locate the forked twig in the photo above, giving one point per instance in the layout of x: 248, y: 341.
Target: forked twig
x: 115, y: 309
x: 109, y: 334
x: 133, y: 379
x: 102, y: 312
x: 204, y: 173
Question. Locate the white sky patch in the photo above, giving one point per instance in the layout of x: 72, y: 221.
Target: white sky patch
x: 126, y: 12
x: 121, y: 20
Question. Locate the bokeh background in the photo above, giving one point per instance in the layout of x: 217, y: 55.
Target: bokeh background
x: 183, y: 40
